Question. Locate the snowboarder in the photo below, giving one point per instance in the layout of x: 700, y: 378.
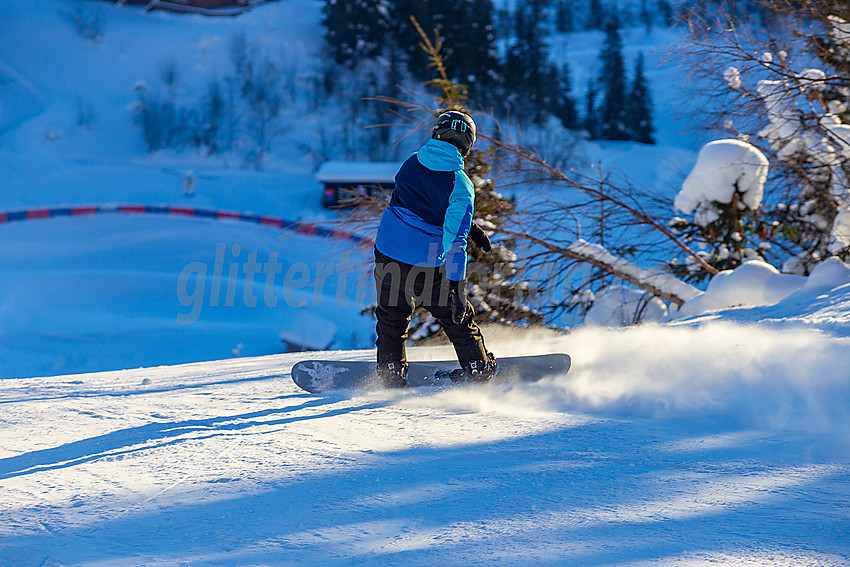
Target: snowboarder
x: 420, y: 253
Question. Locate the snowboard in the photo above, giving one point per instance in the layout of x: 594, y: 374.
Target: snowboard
x: 325, y: 375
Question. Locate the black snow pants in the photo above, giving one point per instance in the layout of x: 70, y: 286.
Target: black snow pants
x: 401, y: 288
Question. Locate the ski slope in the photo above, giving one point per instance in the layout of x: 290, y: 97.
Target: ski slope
x: 107, y: 292
x: 722, y: 443
x: 716, y: 440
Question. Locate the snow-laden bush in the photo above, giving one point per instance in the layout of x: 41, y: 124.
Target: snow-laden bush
x: 723, y: 192
x: 752, y: 284
x: 723, y: 168
x: 800, y: 119
x: 164, y: 124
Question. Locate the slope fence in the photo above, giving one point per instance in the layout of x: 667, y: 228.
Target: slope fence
x: 310, y: 229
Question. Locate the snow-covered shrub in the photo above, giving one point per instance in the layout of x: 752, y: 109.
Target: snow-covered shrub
x: 723, y: 192
x: 269, y: 88
x: 166, y: 120
x: 798, y: 115
x: 724, y: 168
x: 212, y: 129
x: 161, y: 121
x: 245, y: 104
x: 259, y: 78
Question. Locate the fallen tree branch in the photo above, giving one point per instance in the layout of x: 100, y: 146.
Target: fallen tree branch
x: 660, y: 284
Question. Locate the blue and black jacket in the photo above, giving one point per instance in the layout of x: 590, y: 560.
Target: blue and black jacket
x: 430, y: 212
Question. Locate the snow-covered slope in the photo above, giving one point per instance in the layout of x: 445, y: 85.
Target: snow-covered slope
x: 48, y: 158
x: 718, y: 443
x: 723, y: 438
x: 101, y: 293
x: 121, y: 291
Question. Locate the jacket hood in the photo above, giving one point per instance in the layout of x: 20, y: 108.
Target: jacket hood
x: 437, y: 155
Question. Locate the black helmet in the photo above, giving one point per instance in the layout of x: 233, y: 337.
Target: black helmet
x: 455, y: 128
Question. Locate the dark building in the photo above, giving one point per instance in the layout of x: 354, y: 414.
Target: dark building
x: 346, y: 179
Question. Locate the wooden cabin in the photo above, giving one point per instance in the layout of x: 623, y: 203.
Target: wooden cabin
x: 343, y: 180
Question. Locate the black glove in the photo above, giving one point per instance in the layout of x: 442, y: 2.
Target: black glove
x: 457, y: 301
x: 479, y: 237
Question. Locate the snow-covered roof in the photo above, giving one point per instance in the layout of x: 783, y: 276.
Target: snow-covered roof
x: 358, y: 171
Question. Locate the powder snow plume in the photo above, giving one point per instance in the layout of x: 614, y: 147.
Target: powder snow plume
x: 757, y: 376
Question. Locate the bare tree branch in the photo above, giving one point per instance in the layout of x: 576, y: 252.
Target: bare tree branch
x: 558, y: 175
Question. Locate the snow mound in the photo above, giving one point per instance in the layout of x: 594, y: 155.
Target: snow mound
x: 779, y: 364
x: 828, y: 274
x: 757, y: 283
x: 751, y: 284
x: 772, y: 369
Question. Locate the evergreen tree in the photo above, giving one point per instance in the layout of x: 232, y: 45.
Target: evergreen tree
x: 549, y: 94
x: 646, y: 16
x: 355, y: 29
x: 595, y: 16
x: 391, y: 88
x: 612, y: 111
x: 468, y: 36
x: 665, y: 11
x: 640, y: 106
x: 475, y: 60
x: 564, y: 17
x: 565, y: 106
x: 527, y: 71
x: 504, y: 26
x: 536, y: 87
x: 591, y: 119
x: 213, y: 115
x: 408, y: 37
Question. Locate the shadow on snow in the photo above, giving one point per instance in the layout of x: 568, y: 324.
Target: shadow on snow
x: 601, y: 493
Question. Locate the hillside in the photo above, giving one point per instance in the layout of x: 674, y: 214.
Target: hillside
x: 101, y: 293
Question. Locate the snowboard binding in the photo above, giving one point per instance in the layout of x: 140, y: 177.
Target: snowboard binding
x: 393, y: 374
x: 475, y: 370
